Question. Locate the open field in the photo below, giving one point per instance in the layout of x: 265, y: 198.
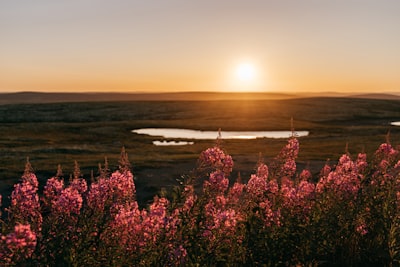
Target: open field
x: 60, y: 133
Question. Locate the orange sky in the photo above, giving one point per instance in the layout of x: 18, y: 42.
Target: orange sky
x: 142, y: 46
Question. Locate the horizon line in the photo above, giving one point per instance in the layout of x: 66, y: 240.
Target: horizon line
x: 207, y: 92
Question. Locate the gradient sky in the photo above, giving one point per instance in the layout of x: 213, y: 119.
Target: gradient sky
x: 181, y: 45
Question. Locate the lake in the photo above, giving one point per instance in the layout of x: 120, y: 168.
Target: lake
x: 176, y: 133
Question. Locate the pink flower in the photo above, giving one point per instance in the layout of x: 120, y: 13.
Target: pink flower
x: 298, y: 199
x: 270, y: 217
x: 361, y: 163
x: 217, y: 182
x: 235, y: 193
x: 122, y: 185
x: 219, y: 218
x: 127, y: 228
x: 52, y: 189
x: 256, y: 186
x: 262, y: 171
x: 291, y: 150
x: 384, y: 165
x: 118, y: 189
x: 25, y: 206
x: 344, y: 181
x: 305, y: 175
x: 362, y: 228
x: 69, y: 202
x: 98, y: 195
x: 18, y: 245
x: 31, y: 179
x: 325, y: 170
x: 217, y: 159
x: 385, y: 150
x: 190, y: 198
x: 286, y: 160
x: 273, y: 187
x: 159, y: 207
x: 133, y: 229
x: 79, y: 184
x: 397, y: 165
x: 289, y: 168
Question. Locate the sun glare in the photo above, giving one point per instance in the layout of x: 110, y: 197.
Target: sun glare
x: 245, y: 72
x: 245, y: 77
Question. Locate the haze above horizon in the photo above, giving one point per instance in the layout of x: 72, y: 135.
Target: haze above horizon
x: 179, y: 46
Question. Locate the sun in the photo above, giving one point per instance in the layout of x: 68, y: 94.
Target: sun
x: 246, y: 75
x: 245, y: 72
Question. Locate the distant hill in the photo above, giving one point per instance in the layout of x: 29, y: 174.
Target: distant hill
x: 377, y: 96
x: 40, y: 97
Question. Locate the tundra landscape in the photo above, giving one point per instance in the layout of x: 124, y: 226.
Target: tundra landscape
x: 99, y: 183
x: 64, y: 128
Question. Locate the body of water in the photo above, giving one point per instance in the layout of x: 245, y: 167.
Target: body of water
x: 172, y: 133
x: 172, y: 143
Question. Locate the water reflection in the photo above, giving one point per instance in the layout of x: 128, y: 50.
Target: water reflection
x: 172, y: 133
x: 172, y: 143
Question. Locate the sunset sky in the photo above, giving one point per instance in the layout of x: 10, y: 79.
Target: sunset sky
x: 207, y: 45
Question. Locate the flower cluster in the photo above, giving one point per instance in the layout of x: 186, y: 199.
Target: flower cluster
x: 216, y: 158
x: 17, y: 245
x: 347, y: 215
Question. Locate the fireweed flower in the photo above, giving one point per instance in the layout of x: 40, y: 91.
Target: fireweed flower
x: 158, y: 209
x: 397, y: 165
x: 117, y: 189
x: 220, y: 221
x: 69, y: 202
x: 122, y: 185
x: 79, y: 185
x: 386, y: 151
x: 125, y: 230
x: 285, y: 165
x: 98, y: 195
x: 256, y: 187
x: 25, y: 206
x: 172, y: 224
x: 344, y: 181
x: 235, y: 193
x: 361, y: 164
x: 18, y: 245
x: 305, y: 175
x: 323, y: 180
x: 262, y: 171
x: 298, y: 199
x: 52, y: 189
x: 272, y: 187
x: 190, y: 198
x: 385, y: 165
x: 133, y: 229
x: 217, y: 182
x: 269, y: 216
x: 362, y: 228
x: 288, y: 168
x: 216, y: 158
